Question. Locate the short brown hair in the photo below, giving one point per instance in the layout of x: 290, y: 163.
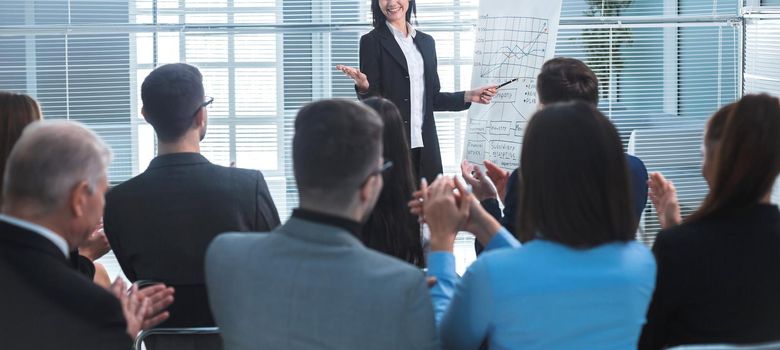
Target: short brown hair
x: 574, y: 185
x: 16, y: 112
x: 747, y: 159
x: 337, y: 144
x: 566, y: 79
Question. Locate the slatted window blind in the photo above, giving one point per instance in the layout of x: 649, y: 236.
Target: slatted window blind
x: 664, y: 65
x: 762, y: 68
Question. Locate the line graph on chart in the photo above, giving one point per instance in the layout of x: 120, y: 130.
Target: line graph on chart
x: 511, y: 47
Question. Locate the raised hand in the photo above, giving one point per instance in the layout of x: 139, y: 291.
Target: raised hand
x: 481, y: 186
x: 663, y: 195
x: 482, y: 95
x: 361, y: 80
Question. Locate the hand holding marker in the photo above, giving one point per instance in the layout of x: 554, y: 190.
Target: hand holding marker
x: 507, y: 83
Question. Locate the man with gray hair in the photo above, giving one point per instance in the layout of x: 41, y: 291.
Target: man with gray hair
x: 53, y: 196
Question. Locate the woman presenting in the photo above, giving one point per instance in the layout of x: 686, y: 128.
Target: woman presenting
x: 398, y: 62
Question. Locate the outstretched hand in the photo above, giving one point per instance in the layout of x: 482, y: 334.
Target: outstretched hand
x: 663, y: 195
x: 361, y: 80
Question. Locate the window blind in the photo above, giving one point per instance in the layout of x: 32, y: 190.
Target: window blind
x: 664, y: 65
x: 762, y: 69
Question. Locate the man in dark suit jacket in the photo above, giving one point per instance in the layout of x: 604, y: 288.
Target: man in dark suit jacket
x: 560, y: 80
x: 52, y: 201
x: 160, y: 222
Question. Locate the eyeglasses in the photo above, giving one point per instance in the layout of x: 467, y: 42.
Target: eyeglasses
x: 379, y: 171
x: 207, y: 100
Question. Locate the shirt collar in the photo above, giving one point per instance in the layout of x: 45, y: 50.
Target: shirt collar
x: 350, y: 226
x: 58, y: 241
x: 397, y: 33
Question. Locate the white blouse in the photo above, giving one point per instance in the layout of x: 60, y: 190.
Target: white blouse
x: 415, y: 63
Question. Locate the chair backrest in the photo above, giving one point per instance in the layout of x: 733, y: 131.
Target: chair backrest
x: 172, y: 331
x: 762, y: 346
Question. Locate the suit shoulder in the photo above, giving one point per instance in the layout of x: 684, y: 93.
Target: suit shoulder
x: 239, y: 174
x: 370, y: 35
x: 126, y: 186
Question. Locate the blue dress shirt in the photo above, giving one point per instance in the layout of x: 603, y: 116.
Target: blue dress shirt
x: 544, y: 295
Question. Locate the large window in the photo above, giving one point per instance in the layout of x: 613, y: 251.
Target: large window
x: 664, y: 66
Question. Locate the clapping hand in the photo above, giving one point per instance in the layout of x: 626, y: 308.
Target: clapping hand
x: 143, y: 309
x: 663, y: 194
x: 446, y: 219
x: 481, y: 186
x: 499, y: 177
x: 444, y: 212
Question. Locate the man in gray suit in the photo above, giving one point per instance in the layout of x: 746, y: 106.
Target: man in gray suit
x: 311, y: 284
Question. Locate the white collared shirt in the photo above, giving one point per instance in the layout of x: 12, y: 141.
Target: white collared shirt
x: 415, y: 64
x: 45, y: 232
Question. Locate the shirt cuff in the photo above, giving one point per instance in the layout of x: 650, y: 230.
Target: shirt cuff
x: 502, y: 239
x: 441, y: 265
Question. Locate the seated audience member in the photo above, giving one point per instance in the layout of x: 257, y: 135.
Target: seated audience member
x: 52, y: 199
x: 160, y: 222
x: 391, y: 228
x: 717, y: 271
x: 560, y: 80
x: 16, y: 112
x: 311, y: 284
x: 579, y: 281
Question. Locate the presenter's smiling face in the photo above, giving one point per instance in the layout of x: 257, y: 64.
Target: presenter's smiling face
x: 394, y: 10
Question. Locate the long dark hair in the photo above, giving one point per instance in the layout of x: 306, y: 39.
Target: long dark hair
x: 746, y: 161
x: 380, y: 19
x: 391, y: 229
x: 574, y: 184
x: 16, y: 112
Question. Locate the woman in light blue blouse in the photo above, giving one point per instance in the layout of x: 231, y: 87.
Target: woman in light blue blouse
x: 579, y: 280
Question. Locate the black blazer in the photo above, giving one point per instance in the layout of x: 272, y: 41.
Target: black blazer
x: 160, y: 223
x: 383, y: 62
x: 46, y: 304
x: 718, y: 281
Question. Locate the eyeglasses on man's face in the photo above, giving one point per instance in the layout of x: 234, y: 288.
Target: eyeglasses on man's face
x: 379, y: 171
x: 207, y: 100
